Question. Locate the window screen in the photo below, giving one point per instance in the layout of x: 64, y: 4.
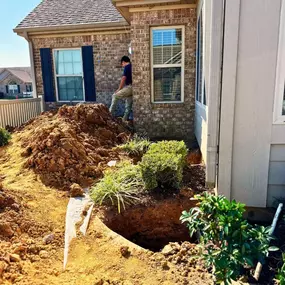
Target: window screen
x: 167, y: 60
x: 69, y: 75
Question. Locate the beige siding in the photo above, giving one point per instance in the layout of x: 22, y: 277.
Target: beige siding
x: 253, y: 103
x: 276, y: 194
x: 276, y: 177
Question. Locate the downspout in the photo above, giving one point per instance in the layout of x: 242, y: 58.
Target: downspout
x: 214, y: 90
x: 32, y: 62
x: 220, y: 97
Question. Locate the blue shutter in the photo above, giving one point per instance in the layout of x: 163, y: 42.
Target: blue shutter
x: 89, y: 73
x: 7, y: 89
x: 47, y: 74
x: 19, y: 89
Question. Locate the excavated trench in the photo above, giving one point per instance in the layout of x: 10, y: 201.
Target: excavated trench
x: 153, y: 226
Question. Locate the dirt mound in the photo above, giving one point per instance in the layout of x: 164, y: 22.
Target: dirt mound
x: 21, y: 237
x: 72, y: 145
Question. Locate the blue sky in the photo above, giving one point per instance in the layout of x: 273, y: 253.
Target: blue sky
x: 14, y: 49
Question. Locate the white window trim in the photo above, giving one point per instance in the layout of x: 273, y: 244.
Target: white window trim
x: 55, y: 75
x: 182, y: 65
x: 202, y: 14
x: 278, y: 118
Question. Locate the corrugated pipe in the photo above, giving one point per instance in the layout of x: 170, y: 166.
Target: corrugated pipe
x: 272, y: 229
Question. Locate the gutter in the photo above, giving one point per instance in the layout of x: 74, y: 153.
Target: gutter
x: 72, y: 27
x: 214, y: 89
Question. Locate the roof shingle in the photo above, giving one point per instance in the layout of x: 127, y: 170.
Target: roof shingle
x: 71, y: 12
x: 23, y: 73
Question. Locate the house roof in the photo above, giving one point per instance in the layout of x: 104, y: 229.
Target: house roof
x: 22, y: 73
x: 53, y: 13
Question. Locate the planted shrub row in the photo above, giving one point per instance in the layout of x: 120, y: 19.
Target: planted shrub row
x: 161, y: 165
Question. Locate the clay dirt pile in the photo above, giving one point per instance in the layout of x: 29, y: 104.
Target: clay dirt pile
x: 72, y: 145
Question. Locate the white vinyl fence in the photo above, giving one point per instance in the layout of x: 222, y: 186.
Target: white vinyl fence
x: 16, y: 112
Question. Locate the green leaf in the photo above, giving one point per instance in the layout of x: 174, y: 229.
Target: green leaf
x: 273, y: 248
x: 248, y: 261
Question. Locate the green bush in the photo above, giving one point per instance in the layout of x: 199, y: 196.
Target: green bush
x: 228, y: 241
x: 137, y: 146
x: 281, y: 272
x: 119, y: 186
x: 163, y: 164
x: 4, y: 137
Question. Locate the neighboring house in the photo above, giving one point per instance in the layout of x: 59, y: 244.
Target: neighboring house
x: 15, y: 81
x: 211, y: 69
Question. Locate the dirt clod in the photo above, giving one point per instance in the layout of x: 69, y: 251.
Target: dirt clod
x: 44, y: 254
x: 6, y: 230
x: 48, y: 238
x: 167, y: 250
x: 76, y: 190
x: 125, y: 252
x: 15, y: 257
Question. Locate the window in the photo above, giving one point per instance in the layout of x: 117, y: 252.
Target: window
x: 29, y: 88
x: 69, y: 75
x: 200, y: 77
x: 13, y: 89
x: 167, y: 56
x: 279, y: 106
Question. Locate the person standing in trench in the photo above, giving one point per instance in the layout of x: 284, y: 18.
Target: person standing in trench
x: 125, y: 90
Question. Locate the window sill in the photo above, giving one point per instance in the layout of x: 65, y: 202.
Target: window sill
x: 279, y: 122
x: 157, y: 105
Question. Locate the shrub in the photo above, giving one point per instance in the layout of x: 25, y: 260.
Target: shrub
x: 4, y: 137
x: 228, y: 241
x: 163, y: 164
x: 281, y: 272
x: 137, y: 146
x: 119, y: 186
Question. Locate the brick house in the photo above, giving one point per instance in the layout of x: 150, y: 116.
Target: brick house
x: 210, y: 69
x: 15, y: 81
x: 76, y: 46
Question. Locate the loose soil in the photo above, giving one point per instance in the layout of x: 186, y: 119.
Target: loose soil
x: 72, y: 145
x: 32, y: 210
x: 154, y: 222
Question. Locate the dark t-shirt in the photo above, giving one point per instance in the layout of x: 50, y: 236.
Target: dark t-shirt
x: 128, y: 74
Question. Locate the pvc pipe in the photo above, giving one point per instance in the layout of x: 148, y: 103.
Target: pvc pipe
x: 272, y: 229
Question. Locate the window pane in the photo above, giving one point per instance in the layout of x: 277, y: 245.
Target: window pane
x: 68, y: 62
x: 70, y: 88
x: 167, y: 84
x: 167, y: 46
x: 68, y: 69
x: 76, y: 55
x: 77, y: 68
x: 67, y: 55
x: 60, y: 68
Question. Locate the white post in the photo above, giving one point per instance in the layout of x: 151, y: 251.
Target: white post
x: 32, y: 68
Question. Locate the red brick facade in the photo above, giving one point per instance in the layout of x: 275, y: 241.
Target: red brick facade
x: 108, y: 50
x: 163, y: 120
x: 155, y: 120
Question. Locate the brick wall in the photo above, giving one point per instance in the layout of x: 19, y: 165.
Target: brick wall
x: 163, y: 120
x: 108, y: 50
